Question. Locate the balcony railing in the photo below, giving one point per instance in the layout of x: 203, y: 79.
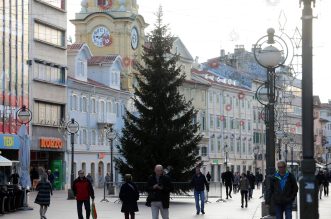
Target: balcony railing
x: 107, y: 118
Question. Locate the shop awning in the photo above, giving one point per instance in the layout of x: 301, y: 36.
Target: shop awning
x: 4, y: 162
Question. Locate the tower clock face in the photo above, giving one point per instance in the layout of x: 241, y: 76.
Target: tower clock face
x: 134, y: 38
x: 101, y: 37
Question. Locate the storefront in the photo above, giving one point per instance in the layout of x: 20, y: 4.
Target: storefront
x: 47, y: 152
x: 9, y: 146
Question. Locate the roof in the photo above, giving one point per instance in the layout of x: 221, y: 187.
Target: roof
x: 75, y: 46
x: 97, y: 60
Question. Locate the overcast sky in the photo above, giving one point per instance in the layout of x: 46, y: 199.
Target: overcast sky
x: 207, y: 26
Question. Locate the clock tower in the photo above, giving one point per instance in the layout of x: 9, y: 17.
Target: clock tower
x: 112, y: 27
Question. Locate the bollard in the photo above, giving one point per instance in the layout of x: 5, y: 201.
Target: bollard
x: 104, y: 193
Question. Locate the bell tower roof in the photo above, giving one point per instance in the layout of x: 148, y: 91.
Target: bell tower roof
x: 115, y: 8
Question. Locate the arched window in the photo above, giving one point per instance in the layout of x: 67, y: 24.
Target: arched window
x: 84, y: 104
x: 108, y: 107
x: 74, y: 102
x: 84, y: 167
x: 84, y: 136
x: 93, y: 137
x: 102, y: 109
x: 102, y: 2
x: 93, y: 110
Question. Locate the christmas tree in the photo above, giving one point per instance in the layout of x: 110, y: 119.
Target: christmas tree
x: 162, y: 131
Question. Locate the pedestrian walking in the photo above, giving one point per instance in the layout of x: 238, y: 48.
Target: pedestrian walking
x: 326, y: 184
x: 283, y: 191
x: 34, y: 175
x: 83, y: 191
x: 259, y: 179
x: 129, y: 196
x: 320, y: 180
x: 208, y: 176
x: 199, y: 182
x: 244, y: 186
x: 90, y: 178
x: 251, y: 179
x: 227, y: 179
x: 236, y: 182
x: 43, y: 197
x: 14, y: 177
x: 107, y: 181
x: 51, y: 177
x: 159, y: 187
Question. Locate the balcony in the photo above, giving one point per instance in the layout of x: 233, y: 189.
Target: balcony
x: 107, y: 118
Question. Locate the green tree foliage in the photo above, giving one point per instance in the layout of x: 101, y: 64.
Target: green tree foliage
x: 163, y: 131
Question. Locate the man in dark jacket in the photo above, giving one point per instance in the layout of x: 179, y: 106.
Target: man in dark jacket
x: 199, y: 182
x: 227, y: 179
x: 283, y: 191
x: 83, y: 190
x: 51, y: 177
x: 251, y: 179
x: 159, y: 187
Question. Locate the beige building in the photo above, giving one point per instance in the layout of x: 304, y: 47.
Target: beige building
x: 47, y: 72
x: 112, y: 27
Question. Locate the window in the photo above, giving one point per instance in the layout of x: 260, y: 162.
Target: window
x: 56, y: 3
x: 49, y: 34
x: 93, y: 105
x: 202, y: 96
x: 47, y: 114
x: 217, y: 98
x: 212, y: 145
x: 84, y: 136
x: 93, y: 137
x: 84, y: 104
x: 218, y: 121
x: 73, y: 102
x: 249, y: 125
x: 219, y: 145
x: 102, y: 109
x: 232, y: 123
x: 203, y: 121
x: 118, y: 110
x: 231, y: 145
x: 238, y: 146
x: 109, y: 107
x: 211, y: 121
x: 210, y: 97
x: 49, y: 73
x: 243, y: 104
x: 203, y: 151
x: 248, y: 104
x: 225, y: 122
x: 244, y: 147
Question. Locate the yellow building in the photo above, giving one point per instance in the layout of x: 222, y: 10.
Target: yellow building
x: 112, y: 27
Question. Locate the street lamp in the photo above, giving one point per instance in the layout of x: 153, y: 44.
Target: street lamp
x: 270, y: 57
x: 24, y: 115
x: 111, y: 135
x: 72, y: 128
x: 226, y: 151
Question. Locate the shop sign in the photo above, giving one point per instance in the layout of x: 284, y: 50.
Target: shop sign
x: 101, y: 155
x: 52, y: 143
x: 9, y: 141
x: 215, y: 161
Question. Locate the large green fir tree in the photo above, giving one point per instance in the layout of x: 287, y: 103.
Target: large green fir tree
x: 163, y: 131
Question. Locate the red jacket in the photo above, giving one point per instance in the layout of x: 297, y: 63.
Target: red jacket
x: 82, y: 189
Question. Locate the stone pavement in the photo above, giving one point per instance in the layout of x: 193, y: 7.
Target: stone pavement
x: 180, y: 208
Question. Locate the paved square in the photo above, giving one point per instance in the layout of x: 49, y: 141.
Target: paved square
x: 180, y: 208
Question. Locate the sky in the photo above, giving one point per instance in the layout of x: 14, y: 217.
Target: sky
x: 207, y: 26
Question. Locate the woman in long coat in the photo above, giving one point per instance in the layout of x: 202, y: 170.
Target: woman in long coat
x: 43, y: 198
x: 129, y: 196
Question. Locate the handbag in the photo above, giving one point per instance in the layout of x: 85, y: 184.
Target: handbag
x: 94, y: 211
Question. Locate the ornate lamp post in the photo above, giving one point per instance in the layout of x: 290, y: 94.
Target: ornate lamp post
x: 72, y: 127
x: 270, y: 57
x: 111, y: 135
x: 24, y: 115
